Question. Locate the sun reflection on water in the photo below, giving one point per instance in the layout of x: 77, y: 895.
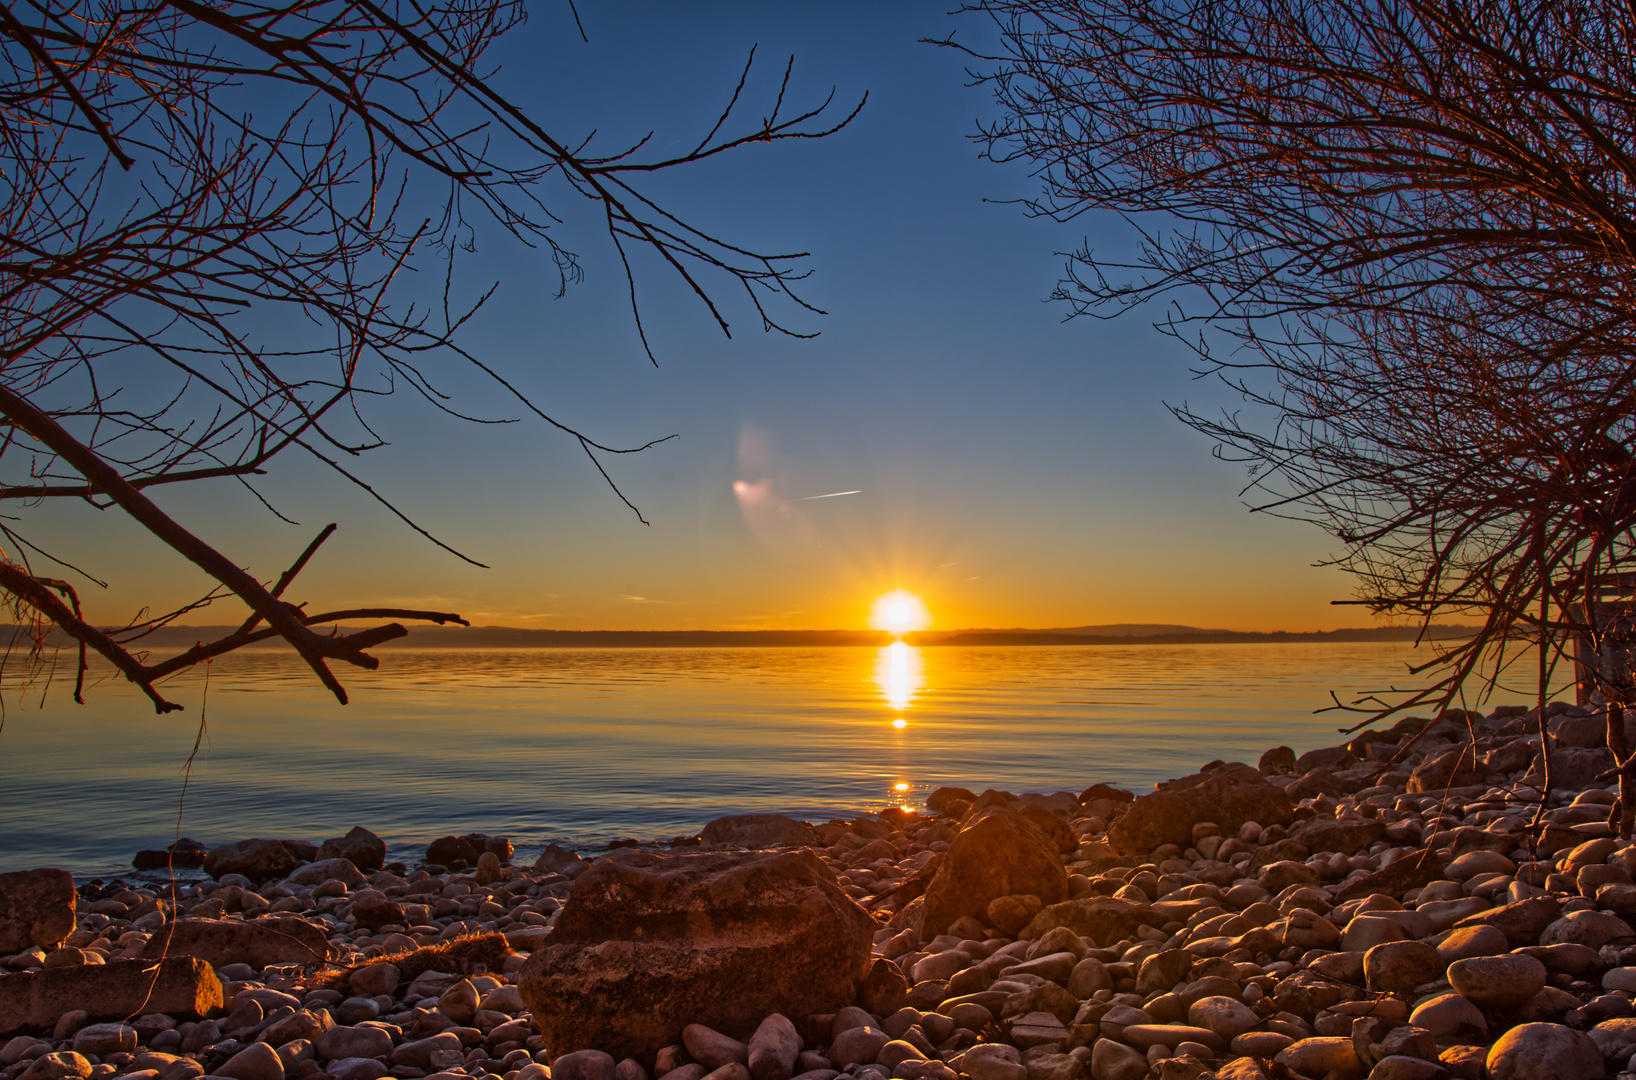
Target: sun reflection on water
x: 898, y: 669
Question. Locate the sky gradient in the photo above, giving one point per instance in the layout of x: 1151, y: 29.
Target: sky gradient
x: 1011, y: 468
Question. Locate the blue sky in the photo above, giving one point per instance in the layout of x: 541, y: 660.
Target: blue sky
x: 1014, y: 469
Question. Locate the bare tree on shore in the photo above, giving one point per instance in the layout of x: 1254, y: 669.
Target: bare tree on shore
x: 208, y: 213
x: 1404, y: 232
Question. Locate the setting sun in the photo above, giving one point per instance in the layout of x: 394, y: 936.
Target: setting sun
x: 899, y: 612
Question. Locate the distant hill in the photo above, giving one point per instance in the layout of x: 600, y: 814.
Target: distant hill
x: 171, y: 638
x: 1156, y: 634
x: 1122, y: 629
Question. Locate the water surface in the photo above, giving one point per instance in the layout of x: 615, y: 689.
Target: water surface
x: 584, y: 746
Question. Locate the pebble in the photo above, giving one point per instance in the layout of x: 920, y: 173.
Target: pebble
x: 857, y: 1046
x: 57, y: 1066
x: 584, y: 1065
x: 1364, y: 933
x: 355, y: 1068
x: 1319, y: 1056
x: 1497, y: 982
x: 1447, y: 1015
x: 1544, y: 1052
x: 773, y: 1049
x: 1225, y: 1016
x: 996, y: 1061
x: 1399, y: 966
x: 710, y: 1047
x: 104, y: 1039
x: 1111, y: 1060
x: 258, y: 1061
x: 352, y: 1042
x: 1399, y: 1067
x: 1471, y: 941
x: 374, y: 979
x: 1592, y: 929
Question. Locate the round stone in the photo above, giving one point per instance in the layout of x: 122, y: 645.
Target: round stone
x: 1592, y: 929
x: 993, y: 1061
x: 258, y: 1061
x: 1448, y: 1014
x: 1365, y: 932
x: 1498, y: 982
x: 1403, y: 1067
x: 709, y: 1047
x: 1113, y: 1061
x: 857, y: 1046
x: 1477, y: 863
x: 1397, y: 966
x: 1544, y: 1052
x: 1319, y: 1056
x: 1473, y: 941
x: 1260, y: 1044
x: 352, y: 1042
x: 381, y: 978
x: 584, y: 1065
x: 1223, y: 1015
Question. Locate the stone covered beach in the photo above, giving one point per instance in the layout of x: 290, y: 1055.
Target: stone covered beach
x: 1381, y: 908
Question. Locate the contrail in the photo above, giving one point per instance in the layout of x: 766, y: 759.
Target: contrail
x: 831, y: 495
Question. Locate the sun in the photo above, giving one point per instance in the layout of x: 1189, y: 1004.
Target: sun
x: 899, y: 612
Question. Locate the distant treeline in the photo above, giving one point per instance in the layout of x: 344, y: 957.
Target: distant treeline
x: 502, y: 637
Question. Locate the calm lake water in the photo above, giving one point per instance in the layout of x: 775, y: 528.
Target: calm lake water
x: 584, y: 746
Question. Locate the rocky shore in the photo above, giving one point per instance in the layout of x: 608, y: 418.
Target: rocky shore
x: 1384, y: 909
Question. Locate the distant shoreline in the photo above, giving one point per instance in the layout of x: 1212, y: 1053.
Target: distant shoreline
x: 499, y: 637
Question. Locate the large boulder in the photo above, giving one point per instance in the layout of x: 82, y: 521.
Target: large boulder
x: 1573, y: 768
x: 260, y: 942
x: 1234, y: 793
x: 1228, y: 795
x: 180, y: 986
x: 359, y: 846
x: 1157, y: 818
x: 648, y: 944
x: 997, y: 853
x: 256, y: 859
x: 758, y: 831
x: 36, y: 908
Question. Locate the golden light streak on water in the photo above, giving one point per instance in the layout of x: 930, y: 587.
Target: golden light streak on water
x: 899, y: 668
